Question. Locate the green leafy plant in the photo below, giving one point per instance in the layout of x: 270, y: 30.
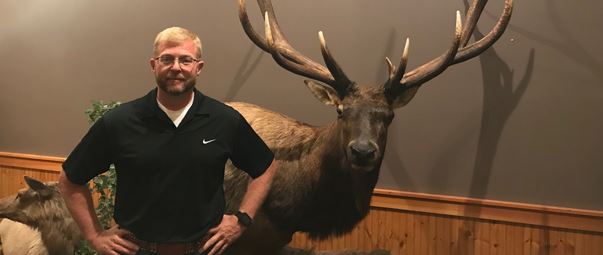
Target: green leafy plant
x: 104, y: 184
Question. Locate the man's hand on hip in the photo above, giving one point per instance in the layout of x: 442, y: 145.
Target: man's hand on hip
x: 114, y: 241
x: 222, y: 236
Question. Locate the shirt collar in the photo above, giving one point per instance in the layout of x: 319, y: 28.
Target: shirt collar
x: 151, y: 108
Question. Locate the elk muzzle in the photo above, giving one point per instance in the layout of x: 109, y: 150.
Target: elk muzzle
x: 363, y: 154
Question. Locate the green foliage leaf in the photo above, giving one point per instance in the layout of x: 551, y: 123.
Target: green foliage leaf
x: 103, y: 184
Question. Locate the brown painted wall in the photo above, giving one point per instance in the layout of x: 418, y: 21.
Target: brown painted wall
x: 495, y: 127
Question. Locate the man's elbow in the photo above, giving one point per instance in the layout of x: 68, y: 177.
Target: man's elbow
x: 65, y: 185
x: 268, y: 174
x: 272, y: 168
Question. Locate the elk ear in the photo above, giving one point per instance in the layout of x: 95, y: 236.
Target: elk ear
x: 38, y: 186
x: 325, y: 94
x: 34, y: 184
x: 404, y: 97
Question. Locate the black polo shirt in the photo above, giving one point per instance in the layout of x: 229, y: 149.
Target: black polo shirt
x: 169, y: 179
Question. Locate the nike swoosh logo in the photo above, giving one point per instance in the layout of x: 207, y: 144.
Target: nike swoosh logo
x: 206, y: 142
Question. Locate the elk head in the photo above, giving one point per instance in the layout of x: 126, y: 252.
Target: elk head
x: 365, y: 112
x: 42, y: 207
x: 29, y: 205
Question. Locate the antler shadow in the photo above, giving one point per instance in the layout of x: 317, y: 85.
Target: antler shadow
x: 246, y: 68
x: 501, y: 98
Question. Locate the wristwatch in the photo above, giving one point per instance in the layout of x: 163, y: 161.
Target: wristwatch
x: 244, y: 218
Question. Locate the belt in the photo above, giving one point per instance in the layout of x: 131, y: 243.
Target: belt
x: 168, y: 248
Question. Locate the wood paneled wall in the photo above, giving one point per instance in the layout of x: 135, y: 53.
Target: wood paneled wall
x: 14, y: 166
x: 414, y: 223
x: 408, y: 232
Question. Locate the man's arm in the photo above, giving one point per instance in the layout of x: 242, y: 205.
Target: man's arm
x: 258, y: 190
x: 79, y: 202
x: 229, y: 229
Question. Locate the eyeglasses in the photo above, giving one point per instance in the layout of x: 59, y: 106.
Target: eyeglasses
x: 168, y: 60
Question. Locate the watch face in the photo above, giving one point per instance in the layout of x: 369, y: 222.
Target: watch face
x: 243, y: 218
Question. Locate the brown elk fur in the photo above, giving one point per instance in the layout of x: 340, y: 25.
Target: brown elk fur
x: 42, y: 208
x: 314, y: 191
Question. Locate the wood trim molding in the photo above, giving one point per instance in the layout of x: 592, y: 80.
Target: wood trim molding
x: 30, y: 161
x: 532, y: 214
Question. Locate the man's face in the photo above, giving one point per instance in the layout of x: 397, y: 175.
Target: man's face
x: 176, y: 67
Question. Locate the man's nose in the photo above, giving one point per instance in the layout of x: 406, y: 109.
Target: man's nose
x: 176, y: 66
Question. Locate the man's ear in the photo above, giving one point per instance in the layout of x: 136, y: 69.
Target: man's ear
x: 200, y: 66
x: 323, y: 93
x: 405, y: 97
x: 153, y: 64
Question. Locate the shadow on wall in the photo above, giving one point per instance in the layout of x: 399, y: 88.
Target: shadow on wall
x: 569, y: 47
x: 501, y: 98
x: 245, y: 70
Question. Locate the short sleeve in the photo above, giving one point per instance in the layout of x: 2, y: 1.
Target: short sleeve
x: 90, y: 157
x: 250, y: 153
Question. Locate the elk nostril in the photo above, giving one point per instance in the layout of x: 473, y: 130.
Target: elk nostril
x: 363, y: 152
x: 370, y: 153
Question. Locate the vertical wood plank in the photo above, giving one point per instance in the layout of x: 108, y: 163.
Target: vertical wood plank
x: 482, y: 241
x: 423, y: 244
x: 515, y: 236
x: 528, y: 242
x: 498, y: 239
x: 402, y: 246
x: 411, y: 234
x: 570, y: 243
x: 537, y: 242
x: 395, y: 233
x: 432, y: 241
x: 556, y: 242
x: 448, y: 235
x: 439, y: 234
x: 467, y: 237
x: 597, y: 241
x: 383, y: 229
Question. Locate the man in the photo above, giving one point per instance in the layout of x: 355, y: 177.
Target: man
x: 169, y: 149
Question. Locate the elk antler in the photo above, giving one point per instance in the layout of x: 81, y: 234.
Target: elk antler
x: 458, y: 52
x: 289, y: 58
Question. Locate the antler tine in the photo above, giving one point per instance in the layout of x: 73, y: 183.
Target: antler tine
x: 280, y: 41
x: 293, y: 67
x: 289, y: 58
x: 390, y: 68
x: 430, y: 70
x: 282, y: 55
x: 253, y: 36
x: 393, y: 86
x: 468, y: 52
x: 333, y: 67
x: 473, y: 14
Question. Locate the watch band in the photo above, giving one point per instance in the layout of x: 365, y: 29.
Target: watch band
x: 244, y: 218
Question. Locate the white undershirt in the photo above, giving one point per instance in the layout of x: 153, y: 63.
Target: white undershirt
x: 178, y: 115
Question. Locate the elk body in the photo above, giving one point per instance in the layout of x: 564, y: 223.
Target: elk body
x: 37, y: 222
x: 20, y: 239
x: 326, y: 175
